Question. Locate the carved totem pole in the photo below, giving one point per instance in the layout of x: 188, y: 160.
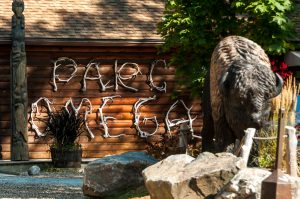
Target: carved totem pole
x: 19, y: 101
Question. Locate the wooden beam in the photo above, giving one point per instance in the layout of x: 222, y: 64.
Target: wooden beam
x: 87, y: 42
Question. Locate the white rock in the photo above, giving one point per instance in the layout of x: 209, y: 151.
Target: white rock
x: 247, y: 182
x: 228, y: 195
x: 245, y: 192
x: 233, y: 188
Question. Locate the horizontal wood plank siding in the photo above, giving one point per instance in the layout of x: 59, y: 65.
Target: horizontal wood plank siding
x: 39, y: 69
x: 5, y: 130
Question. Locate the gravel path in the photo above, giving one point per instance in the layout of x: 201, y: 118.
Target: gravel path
x: 43, y: 186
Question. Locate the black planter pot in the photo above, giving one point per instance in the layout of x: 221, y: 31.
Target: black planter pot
x: 66, y: 158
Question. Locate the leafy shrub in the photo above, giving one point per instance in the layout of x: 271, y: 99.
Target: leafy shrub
x: 162, y: 146
x: 191, y: 29
x: 65, y: 128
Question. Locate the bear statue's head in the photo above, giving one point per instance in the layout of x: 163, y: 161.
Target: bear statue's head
x: 247, y: 89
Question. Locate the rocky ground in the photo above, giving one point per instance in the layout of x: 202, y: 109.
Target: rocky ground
x: 39, y: 187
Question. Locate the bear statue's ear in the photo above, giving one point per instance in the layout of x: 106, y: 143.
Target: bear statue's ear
x: 224, y: 84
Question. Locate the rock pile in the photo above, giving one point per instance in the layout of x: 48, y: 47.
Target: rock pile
x: 246, y: 184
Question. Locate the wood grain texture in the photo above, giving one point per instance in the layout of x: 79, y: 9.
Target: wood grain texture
x: 39, y: 71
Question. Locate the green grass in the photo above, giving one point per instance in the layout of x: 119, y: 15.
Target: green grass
x: 263, y: 152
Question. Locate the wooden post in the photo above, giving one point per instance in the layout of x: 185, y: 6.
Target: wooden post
x: 291, y: 151
x: 248, y: 141
x: 19, y: 99
x: 280, y: 139
x: 276, y: 186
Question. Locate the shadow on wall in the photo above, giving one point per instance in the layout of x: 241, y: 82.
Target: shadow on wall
x: 5, y: 27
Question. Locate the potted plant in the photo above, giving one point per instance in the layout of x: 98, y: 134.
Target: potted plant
x: 65, y: 128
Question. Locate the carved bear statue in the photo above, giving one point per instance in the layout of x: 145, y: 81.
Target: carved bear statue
x: 237, y: 93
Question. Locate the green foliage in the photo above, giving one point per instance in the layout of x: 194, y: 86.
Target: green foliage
x: 65, y: 128
x: 192, y: 28
x: 267, y: 23
x: 266, y: 149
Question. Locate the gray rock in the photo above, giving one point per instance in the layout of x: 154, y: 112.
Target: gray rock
x: 246, y: 184
x: 34, y: 170
x: 295, y: 182
x: 113, y: 175
x: 182, y: 176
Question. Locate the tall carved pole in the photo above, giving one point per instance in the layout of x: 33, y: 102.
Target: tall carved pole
x: 19, y: 140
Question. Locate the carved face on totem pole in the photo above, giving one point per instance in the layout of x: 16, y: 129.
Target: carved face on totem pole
x: 18, y: 7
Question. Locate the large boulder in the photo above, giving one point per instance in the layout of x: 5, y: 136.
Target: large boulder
x: 182, y: 176
x: 114, y: 175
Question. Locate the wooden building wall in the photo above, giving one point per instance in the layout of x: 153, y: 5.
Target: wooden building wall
x: 5, y: 130
x: 39, y: 69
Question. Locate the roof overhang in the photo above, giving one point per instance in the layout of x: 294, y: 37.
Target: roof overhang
x: 87, y: 42
x: 292, y: 58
